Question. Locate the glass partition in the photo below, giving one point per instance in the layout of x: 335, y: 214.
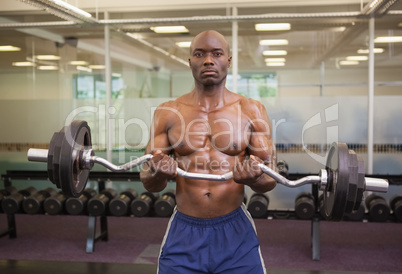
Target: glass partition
x: 46, y: 83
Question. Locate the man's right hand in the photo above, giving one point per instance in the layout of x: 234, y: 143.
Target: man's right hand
x: 162, y: 166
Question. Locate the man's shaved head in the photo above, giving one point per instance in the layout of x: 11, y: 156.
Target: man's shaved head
x: 210, y: 34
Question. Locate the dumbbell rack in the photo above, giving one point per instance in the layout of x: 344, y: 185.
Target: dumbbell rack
x: 102, y: 177
x: 97, y: 176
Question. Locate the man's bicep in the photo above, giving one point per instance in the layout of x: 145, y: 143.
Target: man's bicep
x: 261, y: 142
x: 158, y: 142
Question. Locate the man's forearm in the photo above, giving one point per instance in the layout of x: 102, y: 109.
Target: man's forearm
x: 151, y: 181
x: 263, y: 184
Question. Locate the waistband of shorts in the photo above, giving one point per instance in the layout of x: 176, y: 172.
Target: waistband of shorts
x: 200, y: 222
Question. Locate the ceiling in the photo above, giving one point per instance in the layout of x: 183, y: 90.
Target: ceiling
x: 314, y: 36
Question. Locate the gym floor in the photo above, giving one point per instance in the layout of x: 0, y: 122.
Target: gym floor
x: 57, y: 244
x: 36, y: 267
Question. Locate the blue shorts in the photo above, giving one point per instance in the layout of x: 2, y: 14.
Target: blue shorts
x: 226, y: 244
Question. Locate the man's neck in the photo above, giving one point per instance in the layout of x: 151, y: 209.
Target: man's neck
x: 210, y: 97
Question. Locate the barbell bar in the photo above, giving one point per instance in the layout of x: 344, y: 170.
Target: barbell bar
x: 70, y: 158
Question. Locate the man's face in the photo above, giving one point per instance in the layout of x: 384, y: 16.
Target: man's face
x: 209, y: 59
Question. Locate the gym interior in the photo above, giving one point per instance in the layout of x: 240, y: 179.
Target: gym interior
x: 326, y: 71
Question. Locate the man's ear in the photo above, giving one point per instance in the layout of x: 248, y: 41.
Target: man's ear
x: 229, y: 61
x: 189, y: 62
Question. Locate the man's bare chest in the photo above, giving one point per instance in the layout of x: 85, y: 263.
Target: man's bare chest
x: 226, y: 131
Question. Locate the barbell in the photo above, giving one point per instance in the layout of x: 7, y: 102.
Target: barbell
x: 70, y: 158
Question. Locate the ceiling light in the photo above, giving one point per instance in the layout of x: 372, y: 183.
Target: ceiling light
x: 357, y: 58
x: 23, y: 64
x: 9, y: 48
x: 388, y: 39
x: 272, y: 27
x: 275, y: 60
x: 48, y: 67
x: 400, y: 25
x: 185, y: 44
x: 97, y: 66
x: 71, y: 8
x: 47, y: 57
x: 366, y: 51
x: 273, y: 42
x: 86, y: 69
x: 78, y: 63
x: 170, y: 29
x: 274, y: 52
x: 115, y: 74
x: 348, y: 63
x: 275, y: 64
x: 338, y: 29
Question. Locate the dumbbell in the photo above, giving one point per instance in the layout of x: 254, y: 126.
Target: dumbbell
x: 6, y: 192
x: 98, y: 205
x: 120, y: 205
x: 396, y: 206
x: 378, y: 208
x: 77, y: 206
x: 143, y: 205
x: 34, y: 203
x: 13, y: 203
x: 165, y: 205
x: 55, y: 204
x: 258, y: 205
x: 305, y: 206
x: 283, y: 168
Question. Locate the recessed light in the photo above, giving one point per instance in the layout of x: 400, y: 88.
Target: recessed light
x: 82, y: 68
x: 272, y: 26
x: 23, y: 64
x: 275, y: 64
x: 170, y: 29
x: 274, y: 42
x: 388, y: 39
x: 357, y: 58
x: 47, y: 57
x: 71, y: 8
x: 185, y: 44
x: 274, y: 52
x: 48, y: 68
x: 97, y: 66
x: 9, y: 48
x: 348, y: 63
x: 78, y: 63
x: 366, y: 51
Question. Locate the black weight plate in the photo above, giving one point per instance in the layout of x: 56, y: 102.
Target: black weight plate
x: 73, y: 177
x: 54, y: 157
x: 336, y: 191
x: 361, y: 184
x: 50, y: 157
x: 357, y: 215
x: 353, y: 182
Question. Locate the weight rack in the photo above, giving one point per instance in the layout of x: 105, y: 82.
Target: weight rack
x: 101, y: 177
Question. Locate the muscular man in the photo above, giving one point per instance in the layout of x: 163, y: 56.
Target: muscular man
x: 210, y: 130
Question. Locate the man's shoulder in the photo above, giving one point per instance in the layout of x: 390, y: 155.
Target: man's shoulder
x: 250, y: 104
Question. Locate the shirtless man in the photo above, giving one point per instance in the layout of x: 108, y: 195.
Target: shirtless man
x: 210, y: 130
